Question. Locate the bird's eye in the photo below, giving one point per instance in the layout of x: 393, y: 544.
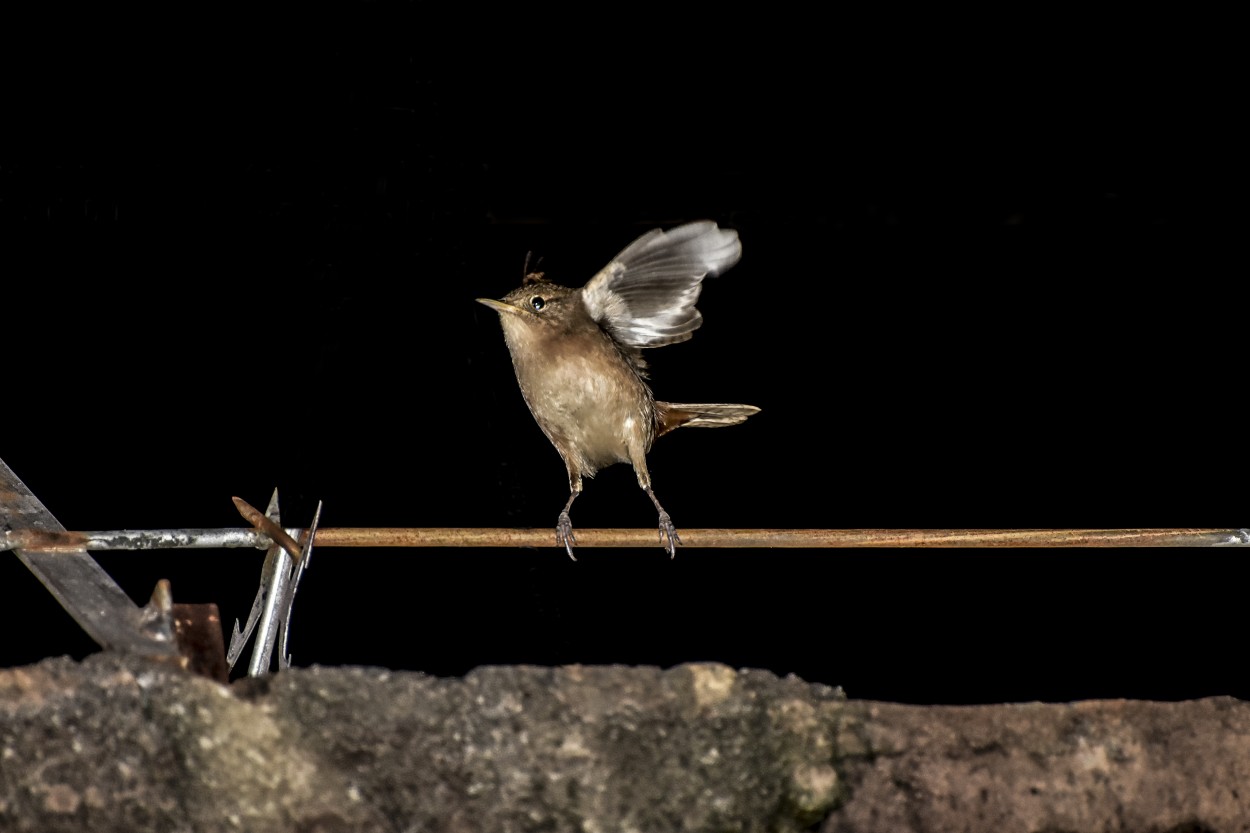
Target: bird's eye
x: 537, y: 303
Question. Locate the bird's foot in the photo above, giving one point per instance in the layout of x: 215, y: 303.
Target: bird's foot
x: 669, y: 539
x: 564, y: 534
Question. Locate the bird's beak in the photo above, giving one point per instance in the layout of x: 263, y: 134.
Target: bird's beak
x: 500, y: 306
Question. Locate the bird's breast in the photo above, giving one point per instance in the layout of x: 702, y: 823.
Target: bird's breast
x: 587, y: 399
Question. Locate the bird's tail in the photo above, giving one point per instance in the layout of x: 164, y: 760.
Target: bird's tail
x: 676, y: 415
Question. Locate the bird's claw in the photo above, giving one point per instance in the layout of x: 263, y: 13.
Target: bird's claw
x: 669, y: 539
x: 564, y: 534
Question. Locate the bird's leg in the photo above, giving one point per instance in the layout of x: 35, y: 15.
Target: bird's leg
x: 669, y: 539
x: 564, y: 524
x: 564, y: 528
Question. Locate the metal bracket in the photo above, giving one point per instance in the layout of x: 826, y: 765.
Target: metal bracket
x: 82, y: 586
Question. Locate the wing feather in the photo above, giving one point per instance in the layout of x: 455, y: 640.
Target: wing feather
x: 645, y: 297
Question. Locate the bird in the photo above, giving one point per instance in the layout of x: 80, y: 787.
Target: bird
x: 577, y: 354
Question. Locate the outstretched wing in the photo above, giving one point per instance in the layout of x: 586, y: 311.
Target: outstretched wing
x: 645, y: 297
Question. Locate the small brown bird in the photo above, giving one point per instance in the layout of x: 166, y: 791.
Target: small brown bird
x: 578, y: 360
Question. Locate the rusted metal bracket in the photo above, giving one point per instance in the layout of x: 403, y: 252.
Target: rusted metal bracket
x: 160, y: 630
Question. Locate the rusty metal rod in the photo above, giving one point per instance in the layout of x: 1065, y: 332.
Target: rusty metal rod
x: 691, y: 538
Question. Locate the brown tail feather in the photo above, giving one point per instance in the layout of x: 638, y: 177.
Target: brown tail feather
x: 675, y: 415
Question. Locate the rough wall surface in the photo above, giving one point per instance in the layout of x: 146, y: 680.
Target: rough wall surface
x: 116, y: 743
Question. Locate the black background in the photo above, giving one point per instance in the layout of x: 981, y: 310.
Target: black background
x: 980, y: 287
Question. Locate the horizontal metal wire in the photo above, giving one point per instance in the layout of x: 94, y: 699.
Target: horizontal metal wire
x: 154, y: 539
